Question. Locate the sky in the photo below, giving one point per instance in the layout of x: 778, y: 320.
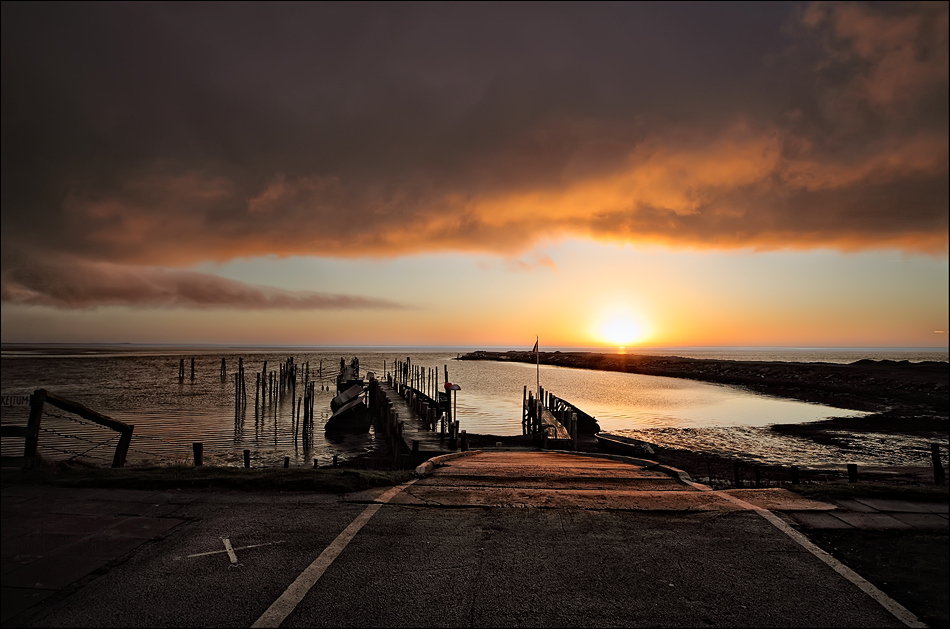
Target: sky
x: 482, y: 174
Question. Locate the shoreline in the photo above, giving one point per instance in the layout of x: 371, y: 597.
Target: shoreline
x: 865, y: 385
x: 901, y: 397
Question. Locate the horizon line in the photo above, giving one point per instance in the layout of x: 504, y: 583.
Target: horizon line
x: 485, y: 347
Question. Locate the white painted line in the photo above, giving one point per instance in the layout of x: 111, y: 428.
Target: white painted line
x: 899, y: 611
x: 218, y: 552
x: 288, y: 601
x: 227, y: 547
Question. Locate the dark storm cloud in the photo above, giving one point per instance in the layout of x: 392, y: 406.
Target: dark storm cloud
x: 173, y: 133
x: 70, y: 283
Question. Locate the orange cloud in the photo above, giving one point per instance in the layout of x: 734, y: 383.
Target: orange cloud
x: 715, y: 137
x: 742, y: 187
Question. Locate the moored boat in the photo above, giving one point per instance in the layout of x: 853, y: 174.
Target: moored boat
x: 345, y: 397
x: 350, y: 412
x: 351, y: 417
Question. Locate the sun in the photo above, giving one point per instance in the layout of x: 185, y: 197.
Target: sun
x: 621, y: 329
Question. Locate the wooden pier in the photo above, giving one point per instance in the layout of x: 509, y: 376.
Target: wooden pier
x: 556, y: 421
x: 408, y: 423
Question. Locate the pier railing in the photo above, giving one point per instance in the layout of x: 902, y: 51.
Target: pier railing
x: 556, y: 421
x: 415, y: 422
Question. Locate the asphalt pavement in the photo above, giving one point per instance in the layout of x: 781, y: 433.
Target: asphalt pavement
x: 494, y: 539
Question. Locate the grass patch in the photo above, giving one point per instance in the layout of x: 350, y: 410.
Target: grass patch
x: 844, y: 491
x: 336, y: 481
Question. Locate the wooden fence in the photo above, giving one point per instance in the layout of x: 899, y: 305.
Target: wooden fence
x: 31, y: 432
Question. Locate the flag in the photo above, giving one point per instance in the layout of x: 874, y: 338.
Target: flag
x: 535, y: 347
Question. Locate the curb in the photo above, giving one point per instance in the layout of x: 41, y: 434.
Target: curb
x: 426, y: 468
x: 679, y: 474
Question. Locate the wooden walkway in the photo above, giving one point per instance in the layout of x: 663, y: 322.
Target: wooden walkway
x: 414, y: 428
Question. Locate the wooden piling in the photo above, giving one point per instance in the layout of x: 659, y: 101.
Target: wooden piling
x: 852, y: 472
x: 939, y: 475
x: 335, y: 459
x: 524, y: 406
x: 247, y: 459
x: 263, y: 382
x: 758, y: 476
x: 243, y: 384
x: 448, y: 412
x: 198, y: 449
x: 736, y: 476
x: 286, y: 462
x: 574, y: 431
x: 795, y: 475
x: 181, y: 370
x: 192, y: 367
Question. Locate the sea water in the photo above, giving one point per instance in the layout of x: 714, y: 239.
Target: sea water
x: 139, y: 385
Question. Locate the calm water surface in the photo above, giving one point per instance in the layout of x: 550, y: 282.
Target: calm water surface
x: 141, y: 387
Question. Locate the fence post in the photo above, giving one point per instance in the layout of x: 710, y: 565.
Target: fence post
x: 122, y: 448
x: 37, y: 400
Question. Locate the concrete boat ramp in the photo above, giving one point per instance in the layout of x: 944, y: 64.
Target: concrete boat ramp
x: 484, y: 539
x: 561, y: 480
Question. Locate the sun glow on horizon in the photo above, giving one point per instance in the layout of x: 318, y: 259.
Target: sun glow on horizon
x: 621, y: 328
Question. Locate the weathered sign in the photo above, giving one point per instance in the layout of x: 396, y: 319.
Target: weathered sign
x: 15, y: 400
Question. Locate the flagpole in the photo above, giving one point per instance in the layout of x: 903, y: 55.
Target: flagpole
x: 537, y: 355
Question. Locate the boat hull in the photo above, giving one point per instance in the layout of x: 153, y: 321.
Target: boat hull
x: 353, y: 418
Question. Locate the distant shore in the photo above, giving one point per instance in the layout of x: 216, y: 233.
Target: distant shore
x: 902, y: 397
x: 865, y: 385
